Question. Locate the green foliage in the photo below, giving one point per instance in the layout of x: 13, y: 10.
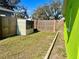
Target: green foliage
x: 71, y: 29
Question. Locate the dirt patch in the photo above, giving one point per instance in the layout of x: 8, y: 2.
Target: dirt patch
x: 59, y: 51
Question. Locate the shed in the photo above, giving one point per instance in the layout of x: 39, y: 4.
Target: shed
x: 24, y: 26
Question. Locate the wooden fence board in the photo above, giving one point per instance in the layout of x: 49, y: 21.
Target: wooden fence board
x: 7, y: 26
x: 48, y: 25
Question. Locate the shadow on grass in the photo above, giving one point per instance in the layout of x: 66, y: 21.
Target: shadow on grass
x: 34, y: 31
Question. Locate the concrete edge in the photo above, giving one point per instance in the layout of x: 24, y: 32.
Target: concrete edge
x: 51, y: 47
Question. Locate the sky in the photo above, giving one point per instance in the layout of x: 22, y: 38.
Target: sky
x: 31, y: 5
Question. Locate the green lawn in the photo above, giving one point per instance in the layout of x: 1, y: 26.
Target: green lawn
x: 32, y: 46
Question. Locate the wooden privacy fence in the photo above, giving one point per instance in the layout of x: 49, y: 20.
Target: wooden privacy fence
x: 48, y: 25
x: 59, y: 25
x: 7, y: 26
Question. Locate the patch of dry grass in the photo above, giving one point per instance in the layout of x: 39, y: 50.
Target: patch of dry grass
x: 32, y: 46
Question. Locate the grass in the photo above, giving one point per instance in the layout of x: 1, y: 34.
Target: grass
x: 32, y: 46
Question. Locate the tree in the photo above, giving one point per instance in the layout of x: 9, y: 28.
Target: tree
x: 47, y: 11
x: 21, y: 12
x: 9, y: 4
x: 41, y: 13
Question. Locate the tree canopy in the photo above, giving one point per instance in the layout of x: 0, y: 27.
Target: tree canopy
x: 46, y: 11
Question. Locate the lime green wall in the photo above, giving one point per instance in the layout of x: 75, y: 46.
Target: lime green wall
x: 71, y: 29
